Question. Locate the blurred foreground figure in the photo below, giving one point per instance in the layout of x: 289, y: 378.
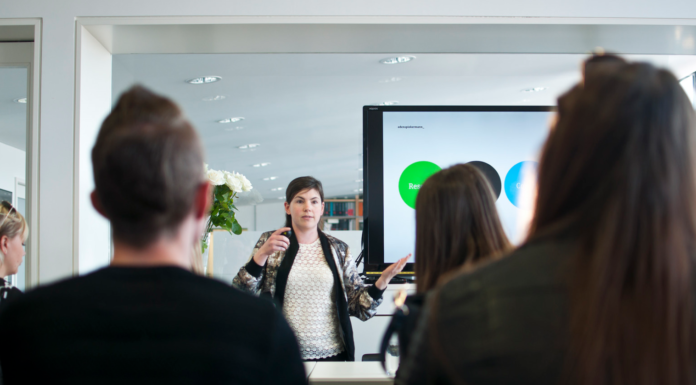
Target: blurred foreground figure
x: 602, y: 291
x: 147, y: 319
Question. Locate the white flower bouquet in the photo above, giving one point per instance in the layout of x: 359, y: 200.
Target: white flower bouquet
x: 226, y: 187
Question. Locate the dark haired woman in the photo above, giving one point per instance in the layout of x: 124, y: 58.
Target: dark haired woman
x: 313, y: 278
x: 457, y: 227
x: 602, y: 291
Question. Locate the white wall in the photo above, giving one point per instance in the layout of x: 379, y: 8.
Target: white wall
x: 12, y: 165
x: 94, y: 238
x: 57, y: 114
x: 270, y: 216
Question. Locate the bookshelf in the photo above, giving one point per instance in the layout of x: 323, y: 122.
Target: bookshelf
x: 345, y: 213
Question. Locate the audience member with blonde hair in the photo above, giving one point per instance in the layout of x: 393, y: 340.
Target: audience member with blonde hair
x: 13, y: 233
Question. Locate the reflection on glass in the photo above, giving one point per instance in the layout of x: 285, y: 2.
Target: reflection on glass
x: 13, y: 134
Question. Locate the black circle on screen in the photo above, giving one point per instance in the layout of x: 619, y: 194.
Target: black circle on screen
x: 491, y: 175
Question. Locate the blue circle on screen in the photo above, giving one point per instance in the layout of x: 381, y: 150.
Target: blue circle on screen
x: 513, y: 181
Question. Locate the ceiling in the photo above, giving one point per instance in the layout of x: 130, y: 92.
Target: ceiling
x: 305, y: 110
x: 13, y: 115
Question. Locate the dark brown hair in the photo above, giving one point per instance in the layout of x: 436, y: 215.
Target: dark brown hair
x: 148, y: 164
x: 297, y: 186
x: 617, y: 172
x: 457, y: 223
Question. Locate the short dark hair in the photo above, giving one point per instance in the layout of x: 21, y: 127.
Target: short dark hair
x: 148, y: 163
x: 297, y: 186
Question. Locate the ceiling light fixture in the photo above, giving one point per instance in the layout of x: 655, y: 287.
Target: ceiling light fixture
x: 358, y: 180
x: 204, y: 80
x: 397, y: 59
x: 535, y: 89
x: 21, y: 100
x: 271, y: 178
x: 214, y: 98
x: 231, y: 120
x: 260, y: 165
x: 360, y: 169
x: 250, y: 145
x: 277, y: 189
x: 390, y: 80
x: 281, y: 197
x: 358, y: 190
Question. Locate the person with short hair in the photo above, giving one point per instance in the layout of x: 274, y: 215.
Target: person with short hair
x: 602, y: 291
x: 147, y: 318
x: 14, y: 231
x: 312, y: 277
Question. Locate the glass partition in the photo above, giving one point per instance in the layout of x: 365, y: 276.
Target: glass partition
x: 13, y: 134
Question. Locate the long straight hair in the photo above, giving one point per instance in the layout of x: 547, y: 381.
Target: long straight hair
x: 617, y: 171
x: 456, y: 224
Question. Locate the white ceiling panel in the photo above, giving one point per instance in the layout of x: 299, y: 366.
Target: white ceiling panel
x: 305, y: 110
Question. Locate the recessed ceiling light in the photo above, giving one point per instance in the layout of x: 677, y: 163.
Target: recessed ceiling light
x: 390, y: 80
x: 231, y: 120
x: 535, y: 89
x: 234, y: 128
x: 281, y: 197
x: 271, y: 178
x: 358, y: 190
x: 397, y: 59
x: 358, y: 180
x: 277, y: 189
x: 260, y: 165
x: 214, y: 98
x: 360, y: 169
x: 21, y: 100
x: 204, y: 80
x: 250, y: 145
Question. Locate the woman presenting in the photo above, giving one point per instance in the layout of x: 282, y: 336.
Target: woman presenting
x: 313, y: 278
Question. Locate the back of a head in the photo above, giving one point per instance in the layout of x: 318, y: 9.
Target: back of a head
x: 456, y: 223
x: 617, y: 172
x: 148, y: 163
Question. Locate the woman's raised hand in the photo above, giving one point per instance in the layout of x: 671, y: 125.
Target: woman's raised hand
x: 276, y: 242
x: 391, y: 271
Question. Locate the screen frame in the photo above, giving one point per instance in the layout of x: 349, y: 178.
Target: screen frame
x: 373, y: 172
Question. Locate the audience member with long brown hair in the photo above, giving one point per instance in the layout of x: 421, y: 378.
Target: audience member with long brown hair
x: 457, y: 227
x: 602, y: 290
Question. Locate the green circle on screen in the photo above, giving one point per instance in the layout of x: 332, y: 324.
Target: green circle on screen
x: 412, y: 178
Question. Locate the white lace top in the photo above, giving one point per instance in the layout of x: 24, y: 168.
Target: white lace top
x: 309, y: 304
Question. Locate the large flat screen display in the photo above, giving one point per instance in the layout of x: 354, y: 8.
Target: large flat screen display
x: 406, y: 144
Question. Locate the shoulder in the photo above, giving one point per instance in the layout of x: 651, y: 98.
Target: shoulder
x: 540, y: 265
x: 263, y: 238
x: 337, y: 244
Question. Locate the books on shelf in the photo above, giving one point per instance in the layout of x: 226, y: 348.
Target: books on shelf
x: 339, y: 209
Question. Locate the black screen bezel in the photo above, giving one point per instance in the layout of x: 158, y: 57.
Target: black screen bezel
x: 373, y: 172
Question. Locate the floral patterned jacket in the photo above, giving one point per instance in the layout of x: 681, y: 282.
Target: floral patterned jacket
x: 362, y: 299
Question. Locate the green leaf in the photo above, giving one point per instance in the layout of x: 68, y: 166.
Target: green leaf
x: 236, y: 228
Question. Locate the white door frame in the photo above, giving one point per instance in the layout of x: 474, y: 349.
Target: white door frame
x: 33, y: 63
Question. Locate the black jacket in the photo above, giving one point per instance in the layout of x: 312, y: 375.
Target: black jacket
x: 505, y: 323
x: 8, y: 293
x: 155, y: 325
